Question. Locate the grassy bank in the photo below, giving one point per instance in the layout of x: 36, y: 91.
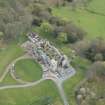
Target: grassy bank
x: 28, y: 70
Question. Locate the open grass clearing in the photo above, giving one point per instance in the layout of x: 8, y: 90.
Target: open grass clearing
x: 8, y: 54
x: 97, y: 6
x: 80, y: 64
x: 28, y: 70
x: 27, y: 96
x: 96, y: 93
x: 93, y: 24
x: 8, y: 80
x: 71, y: 84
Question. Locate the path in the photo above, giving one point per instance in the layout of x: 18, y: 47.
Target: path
x: 22, y: 85
x: 62, y: 94
x: 30, y: 84
x: 11, y: 64
x: 59, y: 85
x: 13, y: 75
x: 48, y: 74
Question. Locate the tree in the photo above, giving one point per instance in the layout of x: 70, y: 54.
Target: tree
x: 81, y: 46
x: 43, y: 101
x: 36, y: 8
x: 36, y: 21
x: 58, y: 3
x: 1, y: 34
x: 57, y: 21
x: 97, y: 70
x: 73, y: 33
x: 57, y: 30
x: 12, y: 31
x: 62, y: 37
x: 92, y: 50
x: 44, y: 15
x: 14, y: 19
x: 46, y: 28
x: 98, y: 57
x: 71, y: 37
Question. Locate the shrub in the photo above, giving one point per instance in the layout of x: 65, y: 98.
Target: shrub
x: 57, y: 30
x: 97, y: 70
x: 46, y: 28
x: 93, y: 50
x: 1, y: 34
x: 57, y: 21
x: 62, y: 37
x: 14, y: 19
x: 36, y: 21
x: 73, y: 33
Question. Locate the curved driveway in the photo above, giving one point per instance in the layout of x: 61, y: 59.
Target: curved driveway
x: 22, y: 85
x: 11, y: 64
x: 30, y: 84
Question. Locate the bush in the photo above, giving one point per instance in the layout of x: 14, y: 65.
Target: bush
x: 98, y: 57
x: 46, y: 28
x: 44, y: 15
x: 36, y: 21
x: 14, y: 19
x: 93, y: 50
x: 57, y: 21
x: 40, y: 10
x: 36, y: 8
x: 97, y: 70
x: 73, y: 33
x: 57, y: 30
x: 62, y: 37
x: 1, y: 34
x: 81, y: 46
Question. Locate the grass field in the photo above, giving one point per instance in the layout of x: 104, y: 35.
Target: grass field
x: 70, y: 84
x: 28, y: 70
x: 27, y: 96
x: 93, y: 24
x: 96, y: 87
x: 78, y: 63
x: 8, y: 54
x: 97, y: 5
x: 8, y: 80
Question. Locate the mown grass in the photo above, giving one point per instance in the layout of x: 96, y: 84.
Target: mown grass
x: 78, y: 63
x: 97, y: 6
x: 70, y: 85
x: 8, y: 54
x: 27, y: 96
x: 92, y: 23
x: 28, y: 70
x: 96, y: 86
x: 8, y: 80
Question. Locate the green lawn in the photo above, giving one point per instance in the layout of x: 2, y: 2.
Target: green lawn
x: 93, y: 24
x: 97, y: 6
x: 26, y: 96
x: 37, y: 95
x: 70, y: 84
x: 8, y: 80
x: 8, y: 54
x: 98, y: 88
x: 28, y: 70
x: 78, y: 63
